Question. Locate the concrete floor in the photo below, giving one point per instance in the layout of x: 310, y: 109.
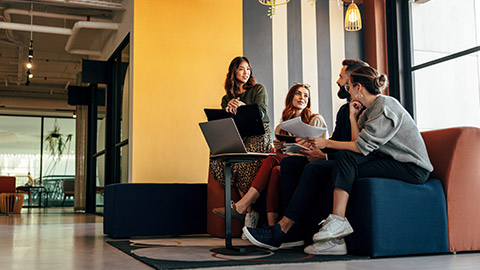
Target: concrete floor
x: 56, y: 238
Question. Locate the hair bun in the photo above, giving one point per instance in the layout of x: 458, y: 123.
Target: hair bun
x: 381, y: 82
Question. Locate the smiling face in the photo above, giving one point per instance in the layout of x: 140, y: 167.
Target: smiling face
x: 300, y: 98
x: 243, y: 72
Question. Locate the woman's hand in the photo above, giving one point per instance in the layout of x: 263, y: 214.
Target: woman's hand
x: 302, y: 142
x: 233, y: 105
x: 355, y: 108
x: 278, y: 145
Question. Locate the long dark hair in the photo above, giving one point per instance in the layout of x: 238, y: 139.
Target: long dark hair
x: 373, y: 81
x: 231, y: 83
x: 289, y: 111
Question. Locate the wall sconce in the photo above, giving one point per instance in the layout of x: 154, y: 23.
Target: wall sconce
x: 353, y: 20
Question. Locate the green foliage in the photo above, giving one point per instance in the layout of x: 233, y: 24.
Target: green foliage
x: 56, y: 142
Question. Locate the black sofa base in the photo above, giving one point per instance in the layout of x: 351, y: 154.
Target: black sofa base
x: 143, y: 209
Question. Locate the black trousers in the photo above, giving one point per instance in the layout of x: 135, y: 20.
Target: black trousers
x: 314, y: 190
x: 291, y: 169
x: 307, y: 193
x: 350, y: 166
x: 315, y: 187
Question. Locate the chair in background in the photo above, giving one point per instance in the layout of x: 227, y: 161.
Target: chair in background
x: 68, y: 188
x: 10, y: 201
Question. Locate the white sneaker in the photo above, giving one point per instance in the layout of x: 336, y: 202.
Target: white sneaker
x: 251, y: 220
x: 332, y: 247
x: 332, y: 228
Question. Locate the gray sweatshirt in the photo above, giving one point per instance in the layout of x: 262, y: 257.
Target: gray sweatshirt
x: 387, y: 127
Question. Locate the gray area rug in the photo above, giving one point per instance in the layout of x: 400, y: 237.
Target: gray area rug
x: 181, y: 253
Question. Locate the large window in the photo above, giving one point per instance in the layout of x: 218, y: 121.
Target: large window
x: 20, y: 141
x: 22, y: 155
x: 445, y: 66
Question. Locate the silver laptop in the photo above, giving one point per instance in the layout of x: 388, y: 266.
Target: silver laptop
x: 223, y: 138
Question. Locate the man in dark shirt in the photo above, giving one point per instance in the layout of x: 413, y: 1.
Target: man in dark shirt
x: 311, y: 197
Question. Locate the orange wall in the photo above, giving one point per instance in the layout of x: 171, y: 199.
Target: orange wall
x: 181, y: 52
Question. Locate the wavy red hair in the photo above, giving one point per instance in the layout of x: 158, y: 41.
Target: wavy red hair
x: 289, y: 111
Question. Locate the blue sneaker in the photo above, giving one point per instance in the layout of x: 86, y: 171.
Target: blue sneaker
x: 270, y: 237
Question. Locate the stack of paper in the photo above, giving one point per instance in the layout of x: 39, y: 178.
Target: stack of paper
x: 297, y: 127
x: 293, y: 148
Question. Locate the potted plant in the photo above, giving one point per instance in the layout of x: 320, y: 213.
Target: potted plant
x: 56, y: 142
x: 56, y: 145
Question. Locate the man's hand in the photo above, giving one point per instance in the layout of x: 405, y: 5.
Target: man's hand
x: 318, y: 143
x: 314, y: 154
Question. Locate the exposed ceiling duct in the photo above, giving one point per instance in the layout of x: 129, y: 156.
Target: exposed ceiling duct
x: 84, y: 22
x: 78, y: 27
x: 94, y: 4
x: 73, y: 33
x: 64, y: 33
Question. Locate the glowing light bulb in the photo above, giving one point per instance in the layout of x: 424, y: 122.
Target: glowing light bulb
x: 30, y: 76
x: 29, y: 65
x: 352, y: 17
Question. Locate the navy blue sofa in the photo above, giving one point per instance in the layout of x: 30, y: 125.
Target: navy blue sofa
x: 144, y: 209
x: 392, y: 218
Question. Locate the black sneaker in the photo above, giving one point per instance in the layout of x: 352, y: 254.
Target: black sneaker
x: 270, y: 237
x: 293, y: 239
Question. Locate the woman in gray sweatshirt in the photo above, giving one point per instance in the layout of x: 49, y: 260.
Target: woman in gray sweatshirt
x: 386, y: 143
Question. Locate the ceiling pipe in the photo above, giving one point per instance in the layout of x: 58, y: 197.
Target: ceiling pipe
x: 9, y: 11
x: 64, y: 31
x: 35, y: 28
x: 105, y: 5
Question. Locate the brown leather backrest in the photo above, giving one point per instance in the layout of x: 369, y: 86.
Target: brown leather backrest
x: 7, y: 184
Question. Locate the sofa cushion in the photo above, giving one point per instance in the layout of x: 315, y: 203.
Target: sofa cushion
x: 392, y: 217
x: 7, y: 184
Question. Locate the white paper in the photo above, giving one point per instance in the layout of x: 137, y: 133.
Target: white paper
x: 298, y: 128
x: 289, y: 148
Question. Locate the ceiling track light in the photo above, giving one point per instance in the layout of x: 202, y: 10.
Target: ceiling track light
x: 30, y: 50
x: 29, y: 76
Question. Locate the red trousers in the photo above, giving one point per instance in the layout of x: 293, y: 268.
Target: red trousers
x: 269, y: 177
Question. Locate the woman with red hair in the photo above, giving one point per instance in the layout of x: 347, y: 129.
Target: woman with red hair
x: 297, y: 104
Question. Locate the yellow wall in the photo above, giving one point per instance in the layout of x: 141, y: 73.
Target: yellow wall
x: 181, y: 52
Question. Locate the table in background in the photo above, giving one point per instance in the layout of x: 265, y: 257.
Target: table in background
x: 28, y: 190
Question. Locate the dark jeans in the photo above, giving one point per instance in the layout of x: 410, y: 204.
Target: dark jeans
x: 350, y: 166
x: 314, y: 190
x: 307, y: 193
x: 291, y: 170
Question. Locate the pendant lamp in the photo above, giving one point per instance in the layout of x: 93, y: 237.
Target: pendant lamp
x: 353, y: 20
